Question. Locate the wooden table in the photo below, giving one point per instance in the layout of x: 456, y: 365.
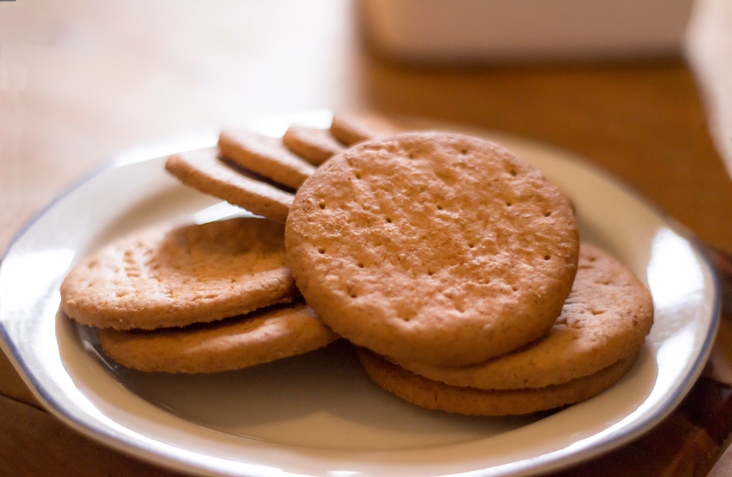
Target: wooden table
x: 80, y: 80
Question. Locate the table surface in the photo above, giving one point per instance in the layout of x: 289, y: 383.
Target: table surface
x: 81, y: 79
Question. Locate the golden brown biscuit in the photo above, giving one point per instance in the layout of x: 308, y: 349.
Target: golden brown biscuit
x: 204, y: 171
x: 165, y: 277
x: 266, y: 156
x: 433, y: 247
x: 351, y: 128
x: 234, y: 343
x: 605, y: 318
x: 314, y: 145
x: 439, y: 396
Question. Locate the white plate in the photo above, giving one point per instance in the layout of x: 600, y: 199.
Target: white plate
x: 318, y: 414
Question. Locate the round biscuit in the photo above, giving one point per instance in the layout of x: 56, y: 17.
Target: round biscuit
x: 439, y: 396
x: 433, y: 247
x: 205, y: 172
x: 165, y: 277
x: 605, y: 318
x: 234, y: 343
x: 265, y: 155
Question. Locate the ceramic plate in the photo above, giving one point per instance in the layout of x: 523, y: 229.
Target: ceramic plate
x: 318, y: 414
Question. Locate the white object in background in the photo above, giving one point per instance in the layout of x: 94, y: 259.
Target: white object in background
x: 457, y: 31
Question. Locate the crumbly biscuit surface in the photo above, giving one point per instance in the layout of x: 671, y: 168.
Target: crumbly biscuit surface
x: 605, y: 318
x: 435, y: 247
x: 174, y: 277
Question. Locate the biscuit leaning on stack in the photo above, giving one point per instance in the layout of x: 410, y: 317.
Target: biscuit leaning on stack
x: 260, y: 173
x: 449, y: 256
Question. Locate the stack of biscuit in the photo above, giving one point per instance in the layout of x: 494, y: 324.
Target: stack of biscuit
x: 204, y: 298
x: 452, y: 265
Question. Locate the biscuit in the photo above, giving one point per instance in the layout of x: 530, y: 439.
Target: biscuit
x: 203, y: 171
x: 314, y: 145
x: 234, y: 343
x: 164, y: 276
x: 350, y: 128
x: 436, y: 395
x: 605, y: 318
x: 266, y: 156
x: 433, y: 247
